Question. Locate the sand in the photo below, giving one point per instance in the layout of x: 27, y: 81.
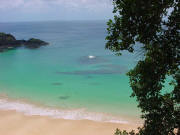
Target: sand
x: 15, y: 123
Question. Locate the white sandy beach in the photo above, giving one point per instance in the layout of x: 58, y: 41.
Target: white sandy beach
x: 15, y: 123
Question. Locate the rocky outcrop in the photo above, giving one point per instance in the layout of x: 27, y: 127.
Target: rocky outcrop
x: 8, y: 41
x: 34, y: 43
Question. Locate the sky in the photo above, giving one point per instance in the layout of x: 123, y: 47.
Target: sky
x: 46, y: 10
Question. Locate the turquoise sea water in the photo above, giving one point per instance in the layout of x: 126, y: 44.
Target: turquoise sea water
x: 62, y: 75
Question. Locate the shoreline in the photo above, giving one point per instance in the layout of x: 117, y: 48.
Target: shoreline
x: 16, y: 123
x: 33, y: 109
x: 20, y: 117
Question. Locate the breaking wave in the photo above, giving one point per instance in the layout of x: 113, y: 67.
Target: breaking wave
x: 76, y: 114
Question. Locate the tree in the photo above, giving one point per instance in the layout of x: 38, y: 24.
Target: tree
x: 154, y: 25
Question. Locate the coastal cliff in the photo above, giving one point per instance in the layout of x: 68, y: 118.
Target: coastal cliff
x: 8, y: 41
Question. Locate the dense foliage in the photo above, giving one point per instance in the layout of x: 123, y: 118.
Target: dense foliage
x: 154, y: 25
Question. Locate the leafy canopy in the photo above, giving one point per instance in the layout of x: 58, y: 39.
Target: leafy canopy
x: 155, y: 26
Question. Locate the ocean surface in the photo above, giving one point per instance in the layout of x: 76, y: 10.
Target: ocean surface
x: 74, y: 77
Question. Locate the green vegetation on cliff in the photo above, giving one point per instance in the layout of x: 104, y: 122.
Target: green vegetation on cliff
x: 8, y: 41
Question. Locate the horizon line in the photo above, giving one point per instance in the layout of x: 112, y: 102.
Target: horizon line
x: 54, y: 20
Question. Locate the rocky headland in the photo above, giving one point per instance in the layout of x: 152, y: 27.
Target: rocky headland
x: 8, y: 41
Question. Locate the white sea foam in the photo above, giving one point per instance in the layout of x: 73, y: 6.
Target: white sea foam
x: 79, y: 114
x: 91, y: 57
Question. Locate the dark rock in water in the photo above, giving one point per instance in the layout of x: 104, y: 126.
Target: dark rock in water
x: 5, y: 38
x: 64, y: 97
x: 100, y: 70
x: 34, y: 43
x: 8, y: 41
x: 57, y: 84
x: 91, y: 72
x: 89, y: 77
x: 95, y: 84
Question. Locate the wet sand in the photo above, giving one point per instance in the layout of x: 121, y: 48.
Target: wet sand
x: 15, y: 123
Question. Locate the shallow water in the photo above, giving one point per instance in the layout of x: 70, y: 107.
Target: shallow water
x: 62, y: 75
